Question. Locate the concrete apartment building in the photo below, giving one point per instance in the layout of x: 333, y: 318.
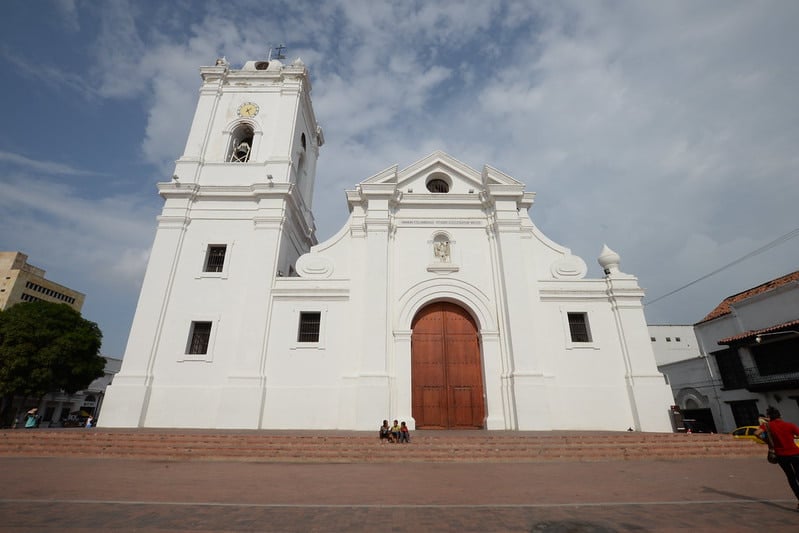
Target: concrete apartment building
x: 22, y: 282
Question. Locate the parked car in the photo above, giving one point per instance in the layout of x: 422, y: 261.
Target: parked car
x: 747, y: 432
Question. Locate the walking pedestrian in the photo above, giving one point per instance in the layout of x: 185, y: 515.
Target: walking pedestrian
x: 32, y: 419
x: 782, y: 435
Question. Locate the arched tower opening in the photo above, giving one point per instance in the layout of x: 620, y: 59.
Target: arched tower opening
x: 240, y: 146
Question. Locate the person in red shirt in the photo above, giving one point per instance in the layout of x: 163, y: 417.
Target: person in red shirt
x: 782, y: 435
x: 405, y: 435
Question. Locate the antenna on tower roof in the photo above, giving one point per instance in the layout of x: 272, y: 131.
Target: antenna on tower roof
x: 278, y: 52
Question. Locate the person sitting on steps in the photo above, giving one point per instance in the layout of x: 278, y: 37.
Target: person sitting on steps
x: 405, y: 435
x: 385, y: 432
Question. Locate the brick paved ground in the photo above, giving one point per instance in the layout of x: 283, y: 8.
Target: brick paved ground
x: 72, y: 495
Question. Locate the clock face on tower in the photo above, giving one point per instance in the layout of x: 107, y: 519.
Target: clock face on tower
x: 248, y: 110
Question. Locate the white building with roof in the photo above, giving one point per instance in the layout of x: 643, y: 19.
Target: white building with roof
x: 439, y: 302
x: 750, y: 340
x: 672, y: 343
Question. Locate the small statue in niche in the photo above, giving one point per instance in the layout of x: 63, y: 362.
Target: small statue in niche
x: 441, y: 251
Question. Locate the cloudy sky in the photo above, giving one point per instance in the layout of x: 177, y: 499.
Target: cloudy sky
x: 668, y: 130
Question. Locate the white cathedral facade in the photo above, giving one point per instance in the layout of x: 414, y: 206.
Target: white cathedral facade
x: 439, y: 302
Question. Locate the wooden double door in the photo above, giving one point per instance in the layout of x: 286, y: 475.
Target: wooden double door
x: 446, y: 369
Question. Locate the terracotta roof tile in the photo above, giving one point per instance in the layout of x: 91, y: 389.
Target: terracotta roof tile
x: 724, y: 307
x: 756, y: 332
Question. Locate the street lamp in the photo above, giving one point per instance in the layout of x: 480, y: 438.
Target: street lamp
x: 759, y: 338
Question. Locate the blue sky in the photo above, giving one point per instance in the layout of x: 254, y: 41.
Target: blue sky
x: 668, y: 130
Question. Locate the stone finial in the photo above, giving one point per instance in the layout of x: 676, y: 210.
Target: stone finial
x: 609, y: 261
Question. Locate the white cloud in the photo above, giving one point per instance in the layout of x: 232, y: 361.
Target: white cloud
x: 44, y: 167
x: 68, y: 11
x: 119, y: 50
x: 100, y: 241
x: 49, y: 75
x: 667, y: 130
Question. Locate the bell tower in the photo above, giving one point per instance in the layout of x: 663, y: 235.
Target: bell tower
x: 252, y: 126
x: 236, y: 216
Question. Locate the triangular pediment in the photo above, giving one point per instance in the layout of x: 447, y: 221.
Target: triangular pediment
x: 460, y: 177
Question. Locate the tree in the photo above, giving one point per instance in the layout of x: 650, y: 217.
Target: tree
x: 46, y: 347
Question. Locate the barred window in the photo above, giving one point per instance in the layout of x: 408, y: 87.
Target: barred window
x: 310, y: 322
x: 215, y: 259
x: 199, y: 337
x: 578, y: 327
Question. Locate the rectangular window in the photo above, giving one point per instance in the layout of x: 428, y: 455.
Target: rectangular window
x: 200, y: 335
x: 215, y: 259
x: 578, y: 327
x: 744, y: 412
x: 310, y: 322
x: 731, y: 369
x: 668, y: 339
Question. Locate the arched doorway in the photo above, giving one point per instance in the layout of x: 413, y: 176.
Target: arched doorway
x: 446, y: 369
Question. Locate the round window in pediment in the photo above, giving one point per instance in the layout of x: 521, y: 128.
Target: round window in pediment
x: 438, y: 183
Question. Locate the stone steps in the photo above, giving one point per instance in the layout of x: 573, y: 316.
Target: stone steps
x: 364, y: 447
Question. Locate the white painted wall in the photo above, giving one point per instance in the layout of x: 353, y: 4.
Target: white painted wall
x: 673, y: 343
x: 368, y: 282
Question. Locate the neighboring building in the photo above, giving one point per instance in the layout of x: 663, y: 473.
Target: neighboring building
x: 689, y: 373
x: 439, y: 302
x: 672, y: 343
x: 59, y: 408
x: 21, y: 282
x: 752, y: 340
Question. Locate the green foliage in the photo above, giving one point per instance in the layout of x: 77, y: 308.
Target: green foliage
x: 46, y: 347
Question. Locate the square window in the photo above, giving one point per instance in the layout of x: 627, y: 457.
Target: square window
x: 310, y: 322
x: 215, y: 258
x: 677, y: 339
x: 199, y: 337
x: 652, y: 339
x: 578, y: 327
x: 668, y: 339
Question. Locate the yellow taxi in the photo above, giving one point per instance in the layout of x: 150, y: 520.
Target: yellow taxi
x: 747, y: 432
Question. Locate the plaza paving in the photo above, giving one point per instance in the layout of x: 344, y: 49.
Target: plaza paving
x: 85, y: 494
